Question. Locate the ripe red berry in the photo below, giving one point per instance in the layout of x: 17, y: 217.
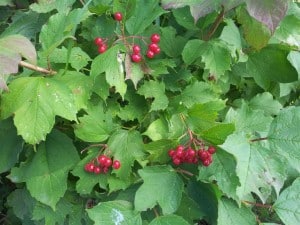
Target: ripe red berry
x: 171, y: 153
x: 211, y: 149
x: 176, y: 161
x: 157, y: 51
x: 116, y: 164
x: 102, y: 48
x: 153, y: 47
x: 118, y: 16
x: 180, y: 148
x: 203, y: 155
x: 97, y: 170
x: 150, y: 54
x: 155, y: 38
x: 191, y: 153
x: 98, y: 41
x: 206, y: 162
x: 89, y: 167
x: 136, y: 58
x: 136, y: 49
x: 101, y: 159
x: 108, y: 162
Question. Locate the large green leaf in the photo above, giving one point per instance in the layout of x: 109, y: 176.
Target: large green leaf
x: 126, y: 146
x: 35, y: 101
x: 46, y: 172
x: 115, y: 213
x: 287, y: 204
x: 284, y: 136
x: 140, y: 20
x: 169, y: 220
x: 110, y: 63
x: 12, y: 145
x: 230, y: 213
x: 162, y: 186
x: 45, y: 6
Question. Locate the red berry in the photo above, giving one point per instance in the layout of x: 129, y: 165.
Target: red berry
x: 97, y: 170
x: 155, y: 38
x: 98, y: 41
x: 118, y: 16
x: 150, y: 54
x: 176, y: 161
x: 105, y: 169
x: 157, y: 51
x: 101, y: 159
x: 191, y: 153
x: 116, y: 164
x: 211, y: 149
x: 136, y: 49
x: 206, y: 162
x: 136, y: 58
x: 153, y: 47
x: 171, y: 153
x: 203, y: 155
x: 102, y: 48
x: 180, y: 148
x: 89, y: 167
x: 108, y: 162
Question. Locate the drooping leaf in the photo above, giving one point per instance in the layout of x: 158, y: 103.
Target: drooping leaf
x: 287, y: 204
x: 46, y: 172
x: 126, y: 146
x: 111, y: 63
x: 231, y: 35
x: 162, y: 186
x: 12, y: 145
x: 169, y: 220
x: 156, y: 90
x: 268, y: 12
x: 140, y: 20
x: 230, y: 213
x: 35, y: 101
x: 114, y: 212
x: 284, y: 136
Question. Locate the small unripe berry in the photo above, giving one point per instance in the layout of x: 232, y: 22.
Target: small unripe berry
x: 118, y: 16
x: 155, y: 38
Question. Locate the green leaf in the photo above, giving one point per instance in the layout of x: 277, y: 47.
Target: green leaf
x: 191, y: 51
x: 230, y: 213
x: 96, y: 126
x: 133, y: 70
x: 87, y: 181
x: 221, y: 170
x: 257, y: 171
x: 159, y: 150
x: 115, y: 212
x: 268, y: 12
x: 157, y: 130
x: 169, y: 220
x: 63, y: 22
x: 78, y: 58
x: 45, y: 6
x: 46, y: 172
x: 218, y: 133
x: 156, y: 90
x: 287, y: 204
x: 126, y: 146
x: 12, y: 145
x: 284, y: 136
x: 231, y: 35
x: 171, y: 44
x: 49, y: 216
x: 167, y: 194
x: 36, y: 102
x: 184, y: 18
x: 140, y: 20
x: 110, y: 63
x: 266, y: 103
x: 293, y: 58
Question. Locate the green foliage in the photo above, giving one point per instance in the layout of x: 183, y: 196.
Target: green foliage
x: 226, y: 76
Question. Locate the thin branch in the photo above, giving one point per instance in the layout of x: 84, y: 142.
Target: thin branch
x: 93, y: 145
x: 259, y: 139
x: 257, y: 204
x: 36, y: 68
x: 216, y: 24
x: 179, y: 170
x: 155, y: 212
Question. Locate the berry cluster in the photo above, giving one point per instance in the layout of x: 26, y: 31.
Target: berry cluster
x: 184, y: 154
x: 136, y: 56
x: 102, y: 165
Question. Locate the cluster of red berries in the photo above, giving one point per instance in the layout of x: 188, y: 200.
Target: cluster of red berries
x: 184, y: 154
x: 102, y: 47
x: 101, y: 165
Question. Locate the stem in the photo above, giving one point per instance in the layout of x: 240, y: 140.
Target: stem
x: 36, y: 68
x: 257, y: 204
x: 179, y: 170
x: 259, y: 139
x: 93, y: 145
x: 155, y: 212
x: 215, y: 25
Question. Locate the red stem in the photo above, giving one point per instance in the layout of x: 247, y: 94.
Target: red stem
x: 258, y: 204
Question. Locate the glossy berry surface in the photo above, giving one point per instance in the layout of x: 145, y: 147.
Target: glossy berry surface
x: 136, y: 49
x: 136, y: 58
x: 153, y: 47
x: 150, y: 54
x: 118, y: 16
x: 211, y: 149
x: 102, y: 48
x: 155, y: 38
x: 98, y: 41
x: 116, y: 164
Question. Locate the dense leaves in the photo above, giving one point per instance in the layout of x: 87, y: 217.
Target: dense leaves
x: 149, y: 112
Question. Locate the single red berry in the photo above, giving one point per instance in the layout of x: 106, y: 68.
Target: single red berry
x: 203, y: 155
x: 118, y: 16
x: 206, y: 162
x: 171, y: 153
x: 97, y: 170
x: 176, y: 161
x: 191, y: 152
x: 136, y: 58
x: 116, y: 164
x: 101, y: 159
x: 153, y: 47
x: 136, y: 49
x: 102, y: 48
x: 108, y: 162
x: 89, y: 167
x: 211, y: 149
x: 150, y: 54
x: 179, y: 153
x: 157, y: 51
x: 180, y: 148
x: 98, y: 41
x: 155, y: 38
